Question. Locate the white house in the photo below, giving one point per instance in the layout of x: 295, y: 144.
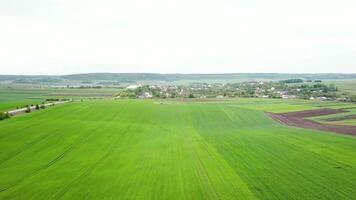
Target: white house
x: 145, y: 95
x: 133, y: 87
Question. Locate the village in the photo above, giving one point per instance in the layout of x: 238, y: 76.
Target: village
x: 288, y: 89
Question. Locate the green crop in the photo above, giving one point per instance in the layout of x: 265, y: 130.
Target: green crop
x: 144, y: 150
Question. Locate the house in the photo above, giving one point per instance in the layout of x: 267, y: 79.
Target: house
x: 145, y: 95
x: 133, y: 87
x: 289, y: 96
x: 322, y: 98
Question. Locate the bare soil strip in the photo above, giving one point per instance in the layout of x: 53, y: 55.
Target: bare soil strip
x: 298, y: 119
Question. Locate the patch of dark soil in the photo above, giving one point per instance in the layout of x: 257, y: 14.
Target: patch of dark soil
x: 298, y: 119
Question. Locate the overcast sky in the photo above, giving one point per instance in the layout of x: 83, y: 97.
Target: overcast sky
x: 180, y: 36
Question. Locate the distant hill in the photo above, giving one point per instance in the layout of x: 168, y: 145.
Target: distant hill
x: 177, y: 77
x: 137, y: 77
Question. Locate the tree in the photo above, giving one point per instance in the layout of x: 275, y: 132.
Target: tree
x: 353, y: 99
x: 4, y: 115
x: 28, y: 109
x: 37, y: 107
x: 292, y: 81
x: 191, y: 95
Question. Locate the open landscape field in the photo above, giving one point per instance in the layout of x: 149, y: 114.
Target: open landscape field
x: 132, y: 149
x: 344, y: 85
x: 177, y: 100
x: 19, y: 96
x: 348, y: 117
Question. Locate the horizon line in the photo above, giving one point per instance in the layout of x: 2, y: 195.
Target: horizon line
x: 223, y: 73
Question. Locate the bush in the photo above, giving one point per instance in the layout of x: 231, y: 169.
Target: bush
x: 37, y: 107
x: 52, y: 99
x: 28, y: 109
x: 4, y: 115
x: 353, y: 99
x: 292, y: 81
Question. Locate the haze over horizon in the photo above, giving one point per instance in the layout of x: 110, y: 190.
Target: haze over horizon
x: 55, y: 37
x: 168, y: 73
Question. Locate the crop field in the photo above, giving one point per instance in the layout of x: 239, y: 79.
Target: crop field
x: 345, y: 118
x: 283, y: 105
x: 128, y: 149
x: 344, y: 85
x: 12, y: 97
x: 349, y: 122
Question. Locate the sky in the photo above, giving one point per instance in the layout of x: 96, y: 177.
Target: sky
x: 180, y: 36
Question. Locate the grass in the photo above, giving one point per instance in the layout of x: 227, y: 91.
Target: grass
x: 284, y: 105
x: 15, y: 96
x: 338, y: 118
x: 344, y: 85
x: 142, y: 150
x: 4, y: 106
x: 351, y: 122
x: 348, y: 122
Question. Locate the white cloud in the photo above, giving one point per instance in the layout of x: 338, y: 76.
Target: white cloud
x: 70, y: 36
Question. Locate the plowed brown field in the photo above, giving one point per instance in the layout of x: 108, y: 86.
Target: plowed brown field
x: 299, y: 119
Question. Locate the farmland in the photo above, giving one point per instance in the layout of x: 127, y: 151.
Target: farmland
x: 131, y: 149
x: 345, y: 118
x: 345, y: 85
x: 177, y: 100
x: 19, y: 96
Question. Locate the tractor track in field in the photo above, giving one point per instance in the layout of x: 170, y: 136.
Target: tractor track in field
x: 23, y: 148
x: 59, y: 194
x: 299, y: 119
x: 39, y: 123
x: 62, y: 191
x: 59, y: 157
x: 70, y: 148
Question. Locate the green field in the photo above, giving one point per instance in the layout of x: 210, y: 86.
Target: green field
x: 344, y: 85
x: 339, y: 118
x: 131, y: 149
x: 14, y: 96
x: 348, y: 122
